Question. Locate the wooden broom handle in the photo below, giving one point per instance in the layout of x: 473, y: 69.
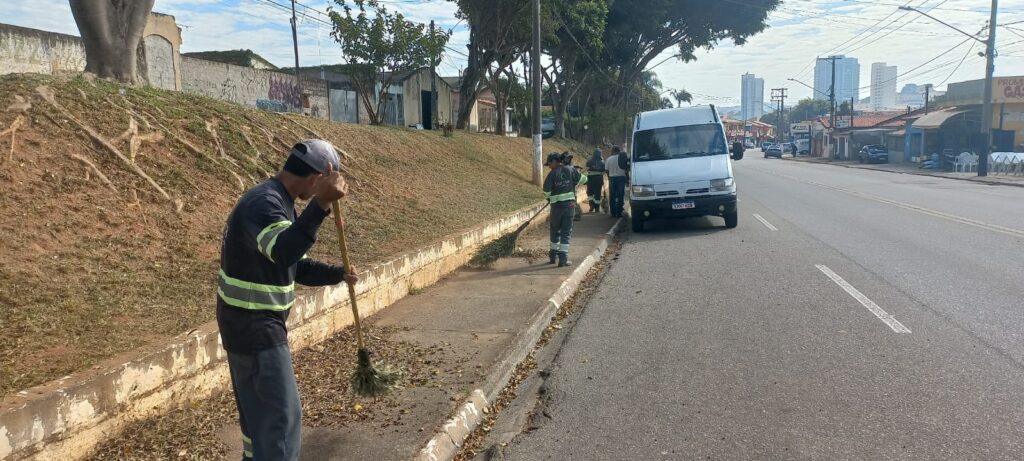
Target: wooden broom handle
x: 339, y: 224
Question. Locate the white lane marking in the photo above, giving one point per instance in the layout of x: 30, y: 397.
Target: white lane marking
x: 864, y: 300
x: 765, y: 222
x: 926, y: 211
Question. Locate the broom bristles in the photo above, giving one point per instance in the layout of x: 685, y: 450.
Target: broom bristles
x: 488, y: 254
x: 372, y: 381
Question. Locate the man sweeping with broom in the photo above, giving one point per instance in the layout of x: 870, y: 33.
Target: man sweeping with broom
x: 262, y: 257
x: 560, y: 190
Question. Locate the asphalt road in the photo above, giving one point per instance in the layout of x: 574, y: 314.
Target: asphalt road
x: 870, y: 316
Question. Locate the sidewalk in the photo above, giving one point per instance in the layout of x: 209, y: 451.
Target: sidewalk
x: 472, y: 317
x: 449, y: 338
x: 912, y: 168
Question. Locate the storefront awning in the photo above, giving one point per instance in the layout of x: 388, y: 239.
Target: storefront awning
x: 936, y: 119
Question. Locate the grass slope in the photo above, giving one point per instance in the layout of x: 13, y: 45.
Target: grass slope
x: 92, y: 270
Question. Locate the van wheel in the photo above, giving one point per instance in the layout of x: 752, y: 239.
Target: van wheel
x: 638, y: 224
x: 732, y: 219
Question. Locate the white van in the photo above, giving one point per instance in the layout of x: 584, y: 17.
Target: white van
x: 680, y: 166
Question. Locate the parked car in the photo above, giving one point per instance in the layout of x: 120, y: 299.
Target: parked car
x: 873, y: 153
x: 547, y: 127
x: 803, y: 146
x: 773, y: 150
x: 681, y: 166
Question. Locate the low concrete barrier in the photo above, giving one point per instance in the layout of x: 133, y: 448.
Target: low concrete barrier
x: 67, y: 418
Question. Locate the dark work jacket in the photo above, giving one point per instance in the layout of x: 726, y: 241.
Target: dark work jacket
x: 560, y: 184
x: 262, y: 257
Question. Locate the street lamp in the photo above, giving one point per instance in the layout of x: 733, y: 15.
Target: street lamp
x: 990, y: 68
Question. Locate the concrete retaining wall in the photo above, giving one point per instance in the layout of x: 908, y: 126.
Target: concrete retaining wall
x: 66, y: 419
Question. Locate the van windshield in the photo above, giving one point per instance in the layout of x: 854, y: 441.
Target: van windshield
x: 678, y: 142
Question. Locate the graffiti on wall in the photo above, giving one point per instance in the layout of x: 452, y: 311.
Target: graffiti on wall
x: 271, y: 105
x: 285, y: 90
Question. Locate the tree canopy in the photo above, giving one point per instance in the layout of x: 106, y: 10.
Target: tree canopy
x: 381, y: 45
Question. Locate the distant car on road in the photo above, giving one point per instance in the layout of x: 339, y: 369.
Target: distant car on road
x: 873, y: 153
x: 765, y: 145
x: 773, y: 150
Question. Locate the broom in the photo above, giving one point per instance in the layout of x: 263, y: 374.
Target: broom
x: 367, y: 379
x: 503, y: 247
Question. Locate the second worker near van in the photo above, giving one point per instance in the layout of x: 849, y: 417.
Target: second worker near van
x: 617, y: 166
x: 560, y: 190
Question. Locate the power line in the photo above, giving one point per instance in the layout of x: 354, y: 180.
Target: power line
x: 922, y: 64
x: 948, y: 8
x: 915, y: 18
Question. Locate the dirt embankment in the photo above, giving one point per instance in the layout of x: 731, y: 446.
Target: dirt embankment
x: 113, y: 200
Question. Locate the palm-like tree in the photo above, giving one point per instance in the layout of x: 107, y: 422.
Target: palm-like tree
x: 682, y: 96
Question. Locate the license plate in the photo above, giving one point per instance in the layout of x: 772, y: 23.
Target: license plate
x: 683, y: 206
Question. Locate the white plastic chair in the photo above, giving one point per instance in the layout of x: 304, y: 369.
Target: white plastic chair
x: 962, y: 162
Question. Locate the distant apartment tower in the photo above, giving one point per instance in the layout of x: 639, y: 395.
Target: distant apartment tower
x: 883, y: 87
x: 912, y: 95
x: 847, y: 78
x: 752, y: 97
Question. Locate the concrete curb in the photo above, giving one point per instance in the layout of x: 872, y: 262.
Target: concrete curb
x: 66, y: 418
x: 914, y: 173
x: 446, y: 442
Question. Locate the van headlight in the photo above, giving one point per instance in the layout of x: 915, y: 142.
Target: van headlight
x: 643, y: 191
x: 721, y: 185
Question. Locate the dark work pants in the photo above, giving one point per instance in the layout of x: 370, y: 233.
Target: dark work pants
x: 268, y: 404
x: 595, y: 183
x: 561, y: 225
x: 617, y: 193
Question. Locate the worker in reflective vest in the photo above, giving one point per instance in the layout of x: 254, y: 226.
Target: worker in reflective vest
x: 263, y: 255
x: 560, y: 190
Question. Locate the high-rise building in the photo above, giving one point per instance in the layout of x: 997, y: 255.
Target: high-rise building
x: 883, y: 87
x: 912, y: 95
x: 847, y: 78
x: 751, y: 97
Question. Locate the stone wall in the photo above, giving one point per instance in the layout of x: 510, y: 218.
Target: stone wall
x: 25, y: 50
x: 264, y: 89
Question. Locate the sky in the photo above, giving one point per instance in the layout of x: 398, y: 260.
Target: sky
x: 923, y: 50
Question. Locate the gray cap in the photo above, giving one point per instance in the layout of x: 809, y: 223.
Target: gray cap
x: 317, y: 153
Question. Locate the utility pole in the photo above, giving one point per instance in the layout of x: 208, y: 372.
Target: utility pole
x: 852, y: 98
x: 295, y: 41
x: 538, y: 145
x: 779, y: 98
x: 435, y: 116
x: 927, y: 97
x: 990, y: 69
x: 832, y: 105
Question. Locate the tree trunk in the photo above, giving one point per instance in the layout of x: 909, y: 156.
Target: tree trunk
x: 560, y: 117
x: 111, y: 33
x: 476, y: 65
x: 501, y: 106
